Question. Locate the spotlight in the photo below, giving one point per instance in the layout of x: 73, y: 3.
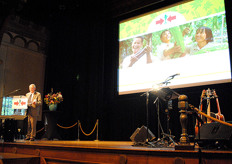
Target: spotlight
x: 156, y: 87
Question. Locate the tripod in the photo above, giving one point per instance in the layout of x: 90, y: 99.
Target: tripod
x: 166, y: 94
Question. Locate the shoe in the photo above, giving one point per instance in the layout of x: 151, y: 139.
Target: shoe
x: 32, y: 139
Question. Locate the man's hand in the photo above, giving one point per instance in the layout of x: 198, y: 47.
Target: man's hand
x: 148, y: 49
x: 33, y: 105
x: 186, y: 31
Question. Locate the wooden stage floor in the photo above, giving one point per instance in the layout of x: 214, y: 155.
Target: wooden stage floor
x: 122, y: 152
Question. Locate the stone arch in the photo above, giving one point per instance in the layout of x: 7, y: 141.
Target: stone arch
x: 7, y: 37
x: 33, y: 45
x: 19, y: 41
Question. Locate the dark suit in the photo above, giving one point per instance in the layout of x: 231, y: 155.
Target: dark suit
x: 33, y: 113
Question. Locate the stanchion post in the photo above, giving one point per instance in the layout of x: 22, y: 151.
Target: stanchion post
x: 78, y: 131
x: 97, y: 131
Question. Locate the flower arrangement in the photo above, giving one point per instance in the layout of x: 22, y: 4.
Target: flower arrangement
x: 53, y: 98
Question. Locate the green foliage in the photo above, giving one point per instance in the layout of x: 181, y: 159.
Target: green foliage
x: 216, y: 23
x: 178, y: 37
x: 190, y: 10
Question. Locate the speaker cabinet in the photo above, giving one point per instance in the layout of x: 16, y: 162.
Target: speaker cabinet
x: 141, y: 134
x: 215, y: 135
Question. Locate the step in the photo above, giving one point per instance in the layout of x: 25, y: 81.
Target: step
x: 11, y: 158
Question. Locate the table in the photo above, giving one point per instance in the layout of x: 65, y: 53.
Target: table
x: 50, y: 123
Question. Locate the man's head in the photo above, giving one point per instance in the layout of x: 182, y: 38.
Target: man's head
x: 137, y: 44
x: 166, y: 36
x: 32, y: 88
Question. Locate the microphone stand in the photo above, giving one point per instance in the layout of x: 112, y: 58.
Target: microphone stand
x: 147, y: 122
x: 158, y: 112
x: 147, y: 103
x: 166, y: 82
x: 170, y: 138
x: 8, y: 94
x: 160, y: 142
x: 163, y: 143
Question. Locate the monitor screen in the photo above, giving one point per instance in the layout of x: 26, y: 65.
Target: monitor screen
x: 182, y: 45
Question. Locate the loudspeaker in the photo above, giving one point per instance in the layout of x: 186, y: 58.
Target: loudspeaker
x: 140, y: 135
x: 215, y: 135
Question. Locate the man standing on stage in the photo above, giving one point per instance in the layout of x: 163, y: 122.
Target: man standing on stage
x: 34, y: 102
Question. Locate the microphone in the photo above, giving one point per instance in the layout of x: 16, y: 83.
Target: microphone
x: 170, y: 78
x: 17, y: 90
x: 175, y: 75
x: 8, y: 94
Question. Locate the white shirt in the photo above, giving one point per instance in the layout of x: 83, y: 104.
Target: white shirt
x: 192, y: 49
x: 141, y: 61
x: 161, y: 48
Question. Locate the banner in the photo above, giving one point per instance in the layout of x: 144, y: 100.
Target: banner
x: 19, y: 102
